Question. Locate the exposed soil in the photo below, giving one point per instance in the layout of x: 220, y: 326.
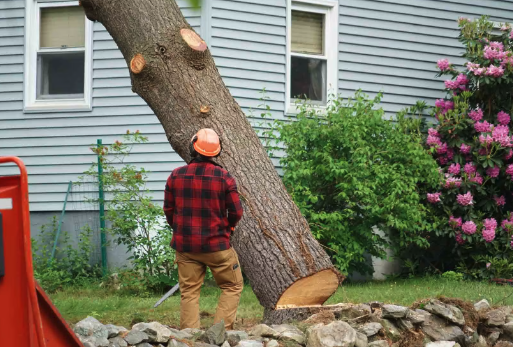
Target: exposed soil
x: 412, y: 338
x: 469, y: 312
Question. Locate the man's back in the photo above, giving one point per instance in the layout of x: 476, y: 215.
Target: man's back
x: 201, y: 204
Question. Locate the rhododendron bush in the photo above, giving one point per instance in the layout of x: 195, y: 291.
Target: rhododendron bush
x: 473, y: 145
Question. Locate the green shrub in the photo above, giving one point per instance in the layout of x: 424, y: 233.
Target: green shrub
x: 133, y: 219
x: 453, y: 276
x: 70, y: 265
x: 352, y: 172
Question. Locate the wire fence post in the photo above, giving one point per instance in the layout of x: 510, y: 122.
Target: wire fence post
x: 103, y: 238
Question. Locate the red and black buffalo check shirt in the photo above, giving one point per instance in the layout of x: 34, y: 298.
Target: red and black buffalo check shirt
x: 201, y: 204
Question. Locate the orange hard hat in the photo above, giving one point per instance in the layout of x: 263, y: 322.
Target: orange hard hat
x: 206, y: 142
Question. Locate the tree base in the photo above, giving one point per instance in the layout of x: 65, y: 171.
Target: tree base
x: 310, y: 291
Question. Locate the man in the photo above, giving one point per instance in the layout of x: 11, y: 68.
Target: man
x: 202, y: 206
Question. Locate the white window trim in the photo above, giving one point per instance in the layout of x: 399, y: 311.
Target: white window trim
x: 30, y: 104
x: 330, y: 9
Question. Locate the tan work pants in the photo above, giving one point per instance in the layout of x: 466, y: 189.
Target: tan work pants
x: 227, y: 273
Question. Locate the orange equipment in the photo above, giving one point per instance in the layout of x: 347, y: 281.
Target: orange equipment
x: 206, y: 142
x: 27, y: 316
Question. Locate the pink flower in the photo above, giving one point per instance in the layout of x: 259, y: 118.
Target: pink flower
x: 434, y: 198
x: 507, y: 225
x: 482, y: 151
x: 465, y: 149
x: 462, y: 79
x: 497, y: 45
x: 442, y: 149
x: 433, y: 132
x: 495, y: 71
x: 482, y: 127
x: 463, y: 20
x: 450, y: 153
x: 494, y: 51
x: 472, y: 66
x: 485, y: 140
x: 449, y: 105
x: 509, y: 170
x: 452, y: 182
x: 455, y: 222
x: 440, y: 103
x: 444, y: 65
x: 509, y: 155
x: 470, y: 168
x: 490, y: 223
x: 433, y: 141
x: 459, y: 83
x: 476, y: 115
x: 488, y: 235
x: 511, y: 34
x: 443, y: 160
x: 500, y: 200
x: 476, y: 178
x: 469, y: 228
x: 500, y: 135
x: 455, y: 168
x: 493, y: 171
x: 465, y: 199
x: 503, y: 118
x: 451, y: 84
x: 488, y: 265
x: 461, y: 241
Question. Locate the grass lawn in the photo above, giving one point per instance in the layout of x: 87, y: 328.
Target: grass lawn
x: 122, y: 309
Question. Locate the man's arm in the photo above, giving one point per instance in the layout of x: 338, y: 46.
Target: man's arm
x: 233, y: 204
x: 169, y: 201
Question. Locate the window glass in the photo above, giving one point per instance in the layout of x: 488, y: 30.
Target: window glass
x: 308, y: 79
x: 60, y: 75
x: 307, y: 33
x: 62, y: 27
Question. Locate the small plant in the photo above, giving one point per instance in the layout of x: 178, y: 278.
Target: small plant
x: 134, y: 220
x: 70, y: 265
x: 453, y: 276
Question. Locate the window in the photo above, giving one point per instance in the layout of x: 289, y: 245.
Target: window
x: 58, y: 57
x: 312, y: 52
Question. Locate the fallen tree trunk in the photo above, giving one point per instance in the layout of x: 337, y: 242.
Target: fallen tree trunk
x: 173, y: 71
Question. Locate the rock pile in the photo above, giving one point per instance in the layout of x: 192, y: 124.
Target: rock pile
x: 433, y: 323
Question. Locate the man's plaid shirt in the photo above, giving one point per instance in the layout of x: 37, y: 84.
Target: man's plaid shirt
x: 202, y: 205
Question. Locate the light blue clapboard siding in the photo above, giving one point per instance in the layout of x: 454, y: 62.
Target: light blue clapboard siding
x: 248, y: 41
x: 384, y: 45
x: 55, y: 146
x: 393, y: 45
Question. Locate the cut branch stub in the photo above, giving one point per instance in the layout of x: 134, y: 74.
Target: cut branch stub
x: 194, y: 50
x: 137, y: 64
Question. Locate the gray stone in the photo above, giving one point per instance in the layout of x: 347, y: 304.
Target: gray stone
x: 404, y: 324
x: 117, y: 342
x: 496, y: 318
x: 437, y: 329
x: 192, y: 331
x: 482, y: 305
x: 379, y: 343
x: 272, y: 343
x: 391, y: 330
x: 185, y: 334
x: 135, y: 337
x: 91, y: 327
x: 394, y: 311
x: 504, y: 344
x: 225, y: 344
x: 115, y: 330
x: 361, y: 340
x: 350, y: 311
x: 481, y: 342
x: 202, y: 344
x: 493, y: 337
x: 508, y: 329
x: 263, y: 330
x: 289, y: 332
x: 156, y: 332
x: 94, y: 341
x: 335, y: 334
x: 144, y: 344
x: 250, y: 343
x: 88, y: 344
x: 449, y: 312
x: 216, y: 334
x: 175, y: 343
x: 234, y: 336
x: 371, y: 329
x: 443, y: 344
x: 416, y: 317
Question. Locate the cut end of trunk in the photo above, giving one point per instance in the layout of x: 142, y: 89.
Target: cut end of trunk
x: 310, y: 291
x: 193, y: 40
x: 137, y: 64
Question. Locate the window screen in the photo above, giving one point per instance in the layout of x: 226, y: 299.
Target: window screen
x: 307, y: 32
x: 62, y: 27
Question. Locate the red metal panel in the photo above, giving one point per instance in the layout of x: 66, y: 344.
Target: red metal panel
x: 21, y: 321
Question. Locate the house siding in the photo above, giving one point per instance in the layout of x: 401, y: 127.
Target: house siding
x: 384, y: 45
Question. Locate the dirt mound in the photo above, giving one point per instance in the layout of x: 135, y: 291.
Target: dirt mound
x: 469, y: 312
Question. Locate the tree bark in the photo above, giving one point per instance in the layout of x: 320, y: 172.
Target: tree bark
x: 173, y: 71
